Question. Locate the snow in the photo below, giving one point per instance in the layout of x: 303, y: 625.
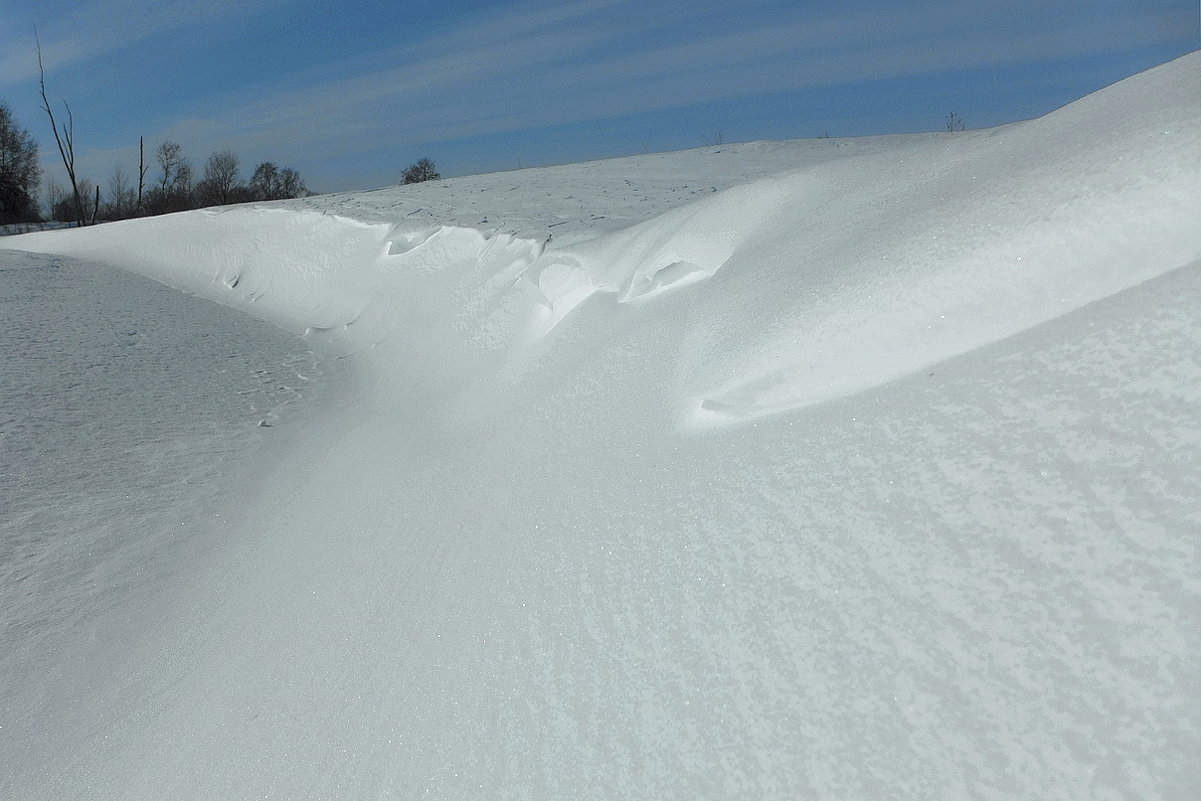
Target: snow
x: 828, y: 469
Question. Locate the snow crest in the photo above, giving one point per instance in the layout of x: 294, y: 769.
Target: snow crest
x: 808, y: 285
x: 840, y: 277
x: 348, y: 283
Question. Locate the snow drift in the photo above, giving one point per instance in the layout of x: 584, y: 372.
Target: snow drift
x: 948, y: 545
x: 1002, y: 229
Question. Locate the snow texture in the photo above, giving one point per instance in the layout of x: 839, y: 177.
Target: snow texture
x: 824, y: 470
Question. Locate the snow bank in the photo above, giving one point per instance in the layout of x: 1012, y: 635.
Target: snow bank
x: 843, y: 276
x: 302, y: 269
x: 833, y: 278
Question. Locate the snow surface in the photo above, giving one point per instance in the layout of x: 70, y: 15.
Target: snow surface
x: 109, y: 441
x: 833, y: 469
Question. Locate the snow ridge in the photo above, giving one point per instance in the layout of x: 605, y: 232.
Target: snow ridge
x: 817, y: 283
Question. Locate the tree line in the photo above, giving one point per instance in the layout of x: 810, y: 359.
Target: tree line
x: 174, y: 186
x: 19, y: 171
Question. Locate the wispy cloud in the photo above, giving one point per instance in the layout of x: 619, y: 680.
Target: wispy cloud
x: 531, y: 70
x: 527, y: 66
x: 76, y: 33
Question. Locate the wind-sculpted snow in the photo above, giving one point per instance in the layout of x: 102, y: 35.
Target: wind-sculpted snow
x: 844, y: 276
x: 346, y: 282
x: 833, y: 278
x: 874, y: 477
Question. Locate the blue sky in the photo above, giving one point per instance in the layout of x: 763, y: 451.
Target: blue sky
x: 350, y: 92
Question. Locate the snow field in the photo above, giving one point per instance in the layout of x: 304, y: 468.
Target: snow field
x: 126, y: 411
x: 875, y: 477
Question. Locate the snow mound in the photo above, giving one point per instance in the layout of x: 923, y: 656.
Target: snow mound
x: 843, y: 276
x: 817, y: 283
x: 347, y: 282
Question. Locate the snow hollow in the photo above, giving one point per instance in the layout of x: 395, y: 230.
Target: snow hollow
x: 821, y: 469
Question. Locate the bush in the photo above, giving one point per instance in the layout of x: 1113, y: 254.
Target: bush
x: 421, y: 170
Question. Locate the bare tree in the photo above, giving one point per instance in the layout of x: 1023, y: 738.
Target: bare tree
x: 62, y: 202
x: 169, y: 156
x: 290, y: 184
x: 142, y: 168
x: 174, y: 189
x: 220, y: 178
x: 954, y: 122
x: 122, y: 198
x: 55, y: 194
x: 65, y: 141
x: 183, y: 178
x: 264, y: 184
x: 271, y: 183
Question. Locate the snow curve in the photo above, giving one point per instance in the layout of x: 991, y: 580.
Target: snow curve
x: 347, y: 282
x: 807, y: 285
x: 841, y: 277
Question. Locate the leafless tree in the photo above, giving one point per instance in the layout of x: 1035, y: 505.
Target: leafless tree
x: 55, y: 194
x: 264, y: 184
x: 290, y: 184
x: 65, y: 139
x: 183, y: 178
x: 271, y: 183
x: 62, y: 202
x: 169, y: 156
x: 954, y: 122
x: 142, y: 168
x: 220, y: 178
x: 174, y: 189
x: 122, y: 197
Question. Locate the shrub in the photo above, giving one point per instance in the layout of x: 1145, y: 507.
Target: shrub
x: 419, y: 171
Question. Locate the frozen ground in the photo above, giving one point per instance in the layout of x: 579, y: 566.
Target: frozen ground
x: 795, y: 470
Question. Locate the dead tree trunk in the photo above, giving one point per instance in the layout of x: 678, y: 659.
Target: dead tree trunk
x: 141, y: 172
x: 65, y: 141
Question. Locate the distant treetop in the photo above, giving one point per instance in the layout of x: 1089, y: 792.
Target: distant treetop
x: 421, y: 170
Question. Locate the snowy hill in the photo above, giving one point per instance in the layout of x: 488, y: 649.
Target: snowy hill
x: 826, y: 469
